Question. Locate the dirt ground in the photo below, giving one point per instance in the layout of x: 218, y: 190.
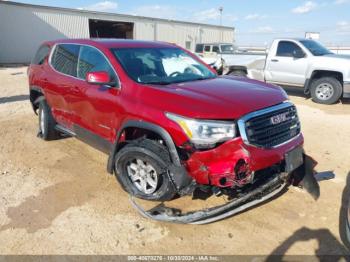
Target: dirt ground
x: 57, y: 198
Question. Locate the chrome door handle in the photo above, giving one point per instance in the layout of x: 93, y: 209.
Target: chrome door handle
x: 274, y: 60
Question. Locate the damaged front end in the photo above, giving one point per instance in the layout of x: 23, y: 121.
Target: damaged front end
x: 263, y: 158
x: 248, y: 196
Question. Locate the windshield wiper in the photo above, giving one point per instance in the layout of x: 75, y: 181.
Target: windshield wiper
x: 163, y: 83
x: 203, y: 78
x: 176, y: 82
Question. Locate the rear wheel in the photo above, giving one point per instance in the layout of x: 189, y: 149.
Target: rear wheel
x: 326, y: 90
x: 142, y: 170
x: 46, y: 122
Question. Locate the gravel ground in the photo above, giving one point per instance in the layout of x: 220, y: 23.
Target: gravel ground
x: 57, y: 198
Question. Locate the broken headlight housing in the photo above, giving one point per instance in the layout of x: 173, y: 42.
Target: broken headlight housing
x: 205, y: 133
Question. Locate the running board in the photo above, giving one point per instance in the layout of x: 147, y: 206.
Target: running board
x: 65, y: 130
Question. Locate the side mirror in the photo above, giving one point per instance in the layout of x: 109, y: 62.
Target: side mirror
x: 99, y: 78
x: 298, y: 54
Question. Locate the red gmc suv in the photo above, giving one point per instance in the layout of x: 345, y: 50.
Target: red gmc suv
x: 169, y: 124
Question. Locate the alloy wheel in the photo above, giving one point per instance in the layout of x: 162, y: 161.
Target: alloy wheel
x: 143, y: 175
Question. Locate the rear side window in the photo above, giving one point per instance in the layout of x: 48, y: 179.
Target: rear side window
x: 286, y: 48
x: 41, y: 55
x: 92, y: 60
x: 65, y: 59
x: 207, y: 48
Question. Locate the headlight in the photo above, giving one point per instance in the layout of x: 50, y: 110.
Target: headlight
x: 205, y: 133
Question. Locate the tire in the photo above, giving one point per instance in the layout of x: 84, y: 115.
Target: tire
x: 239, y: 73
x: 326, y: 90
x: 145, y: 160
x: 46, y: 122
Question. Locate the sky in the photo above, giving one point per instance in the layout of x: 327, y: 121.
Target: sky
x: 256, y: 22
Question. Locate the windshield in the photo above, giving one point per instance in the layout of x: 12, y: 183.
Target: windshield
x: 315, y: 47
x: 161, y: 65
x: 228, y: 49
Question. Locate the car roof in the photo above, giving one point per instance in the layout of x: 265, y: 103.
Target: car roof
x: 114, y: 43
x: 292, y: 39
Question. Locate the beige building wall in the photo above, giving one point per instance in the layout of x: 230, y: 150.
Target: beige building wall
x: 24, y: 27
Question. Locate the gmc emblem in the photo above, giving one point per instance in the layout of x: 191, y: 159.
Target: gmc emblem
x: 277, y: 119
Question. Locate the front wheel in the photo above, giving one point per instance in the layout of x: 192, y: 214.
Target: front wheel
x: 326, y: 90
x: 142, y: 170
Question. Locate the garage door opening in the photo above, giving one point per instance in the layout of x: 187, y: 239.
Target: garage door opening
x: 110, y: 29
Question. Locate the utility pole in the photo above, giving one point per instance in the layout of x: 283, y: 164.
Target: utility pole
x: 221, y: 9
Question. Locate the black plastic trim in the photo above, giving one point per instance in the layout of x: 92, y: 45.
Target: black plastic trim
x: 346, y: 95
x: 92, y: 139
x: 307, y: 86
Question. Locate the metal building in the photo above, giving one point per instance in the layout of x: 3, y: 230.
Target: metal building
x: 23, y: 27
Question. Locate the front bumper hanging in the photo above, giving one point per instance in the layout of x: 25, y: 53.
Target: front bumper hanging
x: 205, y: 216
x: 270, y: 188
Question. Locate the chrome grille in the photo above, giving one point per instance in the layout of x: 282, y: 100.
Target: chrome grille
x: 270, y: 127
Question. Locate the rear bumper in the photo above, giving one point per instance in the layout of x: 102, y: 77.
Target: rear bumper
x: 346, y: 89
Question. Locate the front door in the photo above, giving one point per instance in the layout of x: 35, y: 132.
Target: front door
x: 284, y: 67
x: 96, y: 106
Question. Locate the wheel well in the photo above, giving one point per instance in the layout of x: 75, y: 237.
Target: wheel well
x: 134, y: 133
x: 322, y: 73
x: 34, y: 95
x: 238, y: 68
x: 134, y: 129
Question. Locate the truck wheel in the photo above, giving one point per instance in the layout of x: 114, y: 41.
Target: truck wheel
x: 46, y: 122
x: 240, y: 73
x: 141, y: 167
x: 326, y: 90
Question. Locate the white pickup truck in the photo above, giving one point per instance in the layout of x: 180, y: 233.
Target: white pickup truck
x: 289, y: 62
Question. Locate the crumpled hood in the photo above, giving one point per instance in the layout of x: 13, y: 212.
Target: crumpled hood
x: 220, y: 98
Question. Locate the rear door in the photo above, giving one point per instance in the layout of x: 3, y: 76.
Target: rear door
x: 283, y: 67
x: 60, y: 79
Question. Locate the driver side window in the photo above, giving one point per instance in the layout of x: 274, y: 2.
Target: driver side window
x: 286, y: 49
x: 92, y: 60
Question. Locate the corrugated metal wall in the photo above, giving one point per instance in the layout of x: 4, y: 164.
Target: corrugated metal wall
x: 24, y: 28
x: 69, y: 25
